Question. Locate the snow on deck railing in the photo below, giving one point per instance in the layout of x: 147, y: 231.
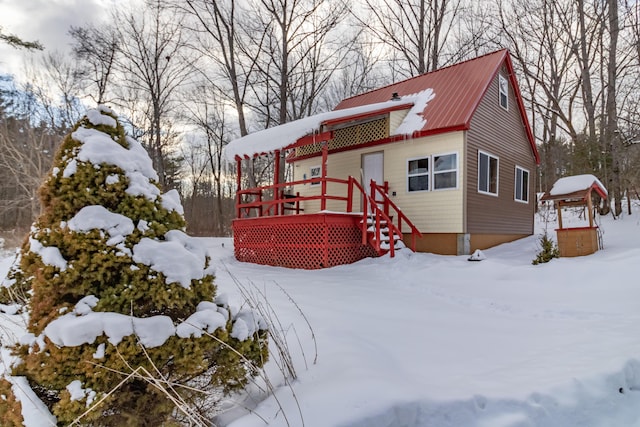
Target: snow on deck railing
x: 264, y: 203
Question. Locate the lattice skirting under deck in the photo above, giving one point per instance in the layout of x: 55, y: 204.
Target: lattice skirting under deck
x: 300, y: 241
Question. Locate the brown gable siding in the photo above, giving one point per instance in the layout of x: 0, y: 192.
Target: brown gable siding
x: 501, y: 134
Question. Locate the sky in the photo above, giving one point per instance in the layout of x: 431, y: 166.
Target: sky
x: 46, y: 21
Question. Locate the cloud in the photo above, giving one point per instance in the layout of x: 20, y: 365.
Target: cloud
x: 46, y: 21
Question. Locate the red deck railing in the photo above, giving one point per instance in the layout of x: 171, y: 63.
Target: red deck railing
x: 377, y: 215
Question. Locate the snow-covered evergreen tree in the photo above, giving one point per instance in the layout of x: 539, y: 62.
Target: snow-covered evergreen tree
x: 117, y: 286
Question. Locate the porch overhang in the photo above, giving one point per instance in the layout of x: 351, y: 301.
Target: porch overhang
x: 288, y: 135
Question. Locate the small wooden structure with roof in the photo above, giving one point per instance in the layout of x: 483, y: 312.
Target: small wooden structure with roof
x: 576, y: 191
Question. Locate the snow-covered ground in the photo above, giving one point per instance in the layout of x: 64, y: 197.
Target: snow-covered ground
x: 427, y: 340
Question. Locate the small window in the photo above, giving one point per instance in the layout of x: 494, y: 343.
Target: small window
x: 418, y: 174
x: 445, y: 171
x: 504, y: 92
x: 522, y: 185
x: 487, y: 173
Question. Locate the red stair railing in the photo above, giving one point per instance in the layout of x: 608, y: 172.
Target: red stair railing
x: 388, y: 205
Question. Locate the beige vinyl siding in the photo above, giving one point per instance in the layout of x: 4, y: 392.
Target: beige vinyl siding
x: 300, y: 169
x: 439, y: 211
x: 395, y: 119
x: 340, y: 166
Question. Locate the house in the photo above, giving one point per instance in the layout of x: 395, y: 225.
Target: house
x: 444, y: 161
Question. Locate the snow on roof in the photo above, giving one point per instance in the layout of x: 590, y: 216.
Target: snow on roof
x: 572, y: 184
x: 279, y: 137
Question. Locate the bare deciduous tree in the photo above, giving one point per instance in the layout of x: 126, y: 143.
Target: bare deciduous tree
x: 219, y: 37
x: 300, y: 51
x: 417, y: 32
x: 360, y: 72
x: 611, y: 132
x: 96, y: 48
x: 33, y: 119
x: 153, y: 60
x: 207, y: 113
x: 27, y: 144
x: 299, y: 55
x: 54, y: 85
x: 533, y: 31
x: 25, y: 160
x: 231, y: 52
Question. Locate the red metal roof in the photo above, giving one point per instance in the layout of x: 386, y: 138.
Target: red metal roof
x: 458, y: 91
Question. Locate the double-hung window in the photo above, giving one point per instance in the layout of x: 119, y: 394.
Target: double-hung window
x: 445, y: 171
x: 487, y: 173
x: 437, y: 172
x: 418, y: 174
x: 522, y: 185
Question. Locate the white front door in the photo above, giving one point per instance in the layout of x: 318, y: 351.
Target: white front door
x: 372, y: 168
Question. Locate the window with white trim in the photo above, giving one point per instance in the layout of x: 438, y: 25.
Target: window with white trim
x: 445, y: 171
x: 487, y: 173
x: 522, y: 185
x: 504, y: 92
x: 437, y: 172
x: 418, y: 174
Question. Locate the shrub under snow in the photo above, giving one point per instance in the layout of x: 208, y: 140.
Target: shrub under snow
x: 116, y: 286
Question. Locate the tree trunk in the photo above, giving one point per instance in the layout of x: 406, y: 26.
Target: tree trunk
x: 612, y: 133
x: 583, y: 59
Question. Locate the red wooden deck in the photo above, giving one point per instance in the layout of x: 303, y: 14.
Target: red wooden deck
x: 308, y: 241
x: 265, y: 233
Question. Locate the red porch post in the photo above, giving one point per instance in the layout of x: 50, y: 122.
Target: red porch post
x: 325, y: 154
x: 238, y: 185
x: 350, y: 194
x: 276, y: 181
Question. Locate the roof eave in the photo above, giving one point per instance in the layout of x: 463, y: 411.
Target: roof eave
x: 521, y: 108
x: 601, y: 192
x: 388, y: 140
x: 578, y: 195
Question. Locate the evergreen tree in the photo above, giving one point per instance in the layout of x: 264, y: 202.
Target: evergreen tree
x: 548, y: 250
x: 16, y: 42
x: 117, y: 286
